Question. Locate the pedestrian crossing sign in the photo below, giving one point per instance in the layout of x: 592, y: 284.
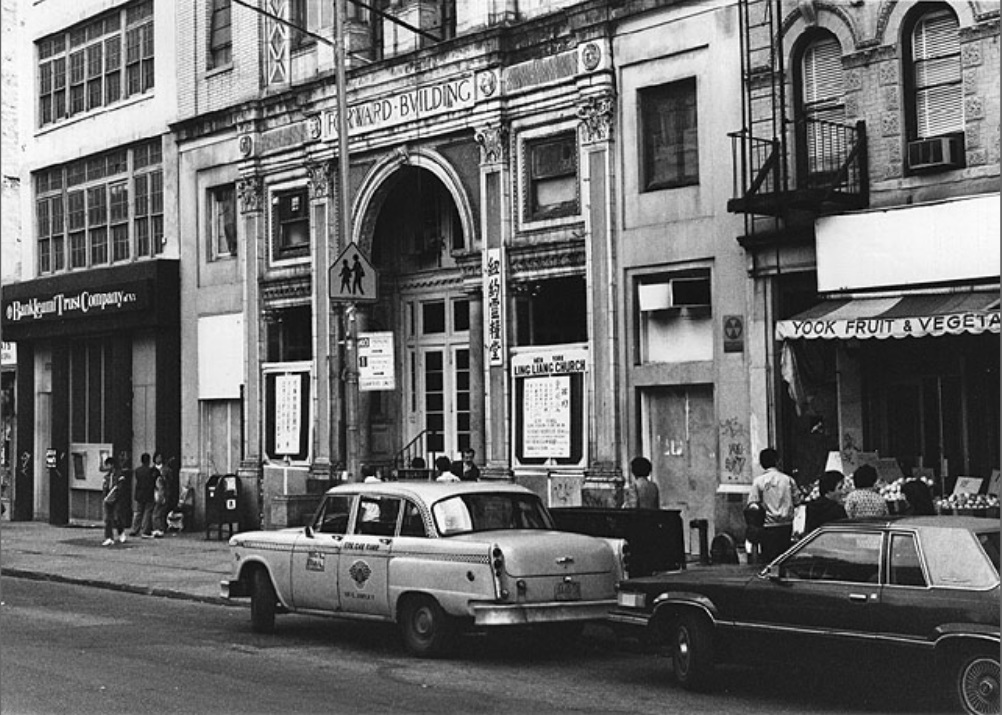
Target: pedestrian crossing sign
x: 352, y: 277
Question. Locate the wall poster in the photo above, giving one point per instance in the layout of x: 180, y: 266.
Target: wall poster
x: 288, y: 406
x: 549, y: 406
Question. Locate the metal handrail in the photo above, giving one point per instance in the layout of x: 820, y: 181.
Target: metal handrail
x: 415, y: 448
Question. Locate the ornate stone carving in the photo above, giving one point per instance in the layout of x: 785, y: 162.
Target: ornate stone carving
x: 487, y: 83
x: 596, y: 115
x: 246, y: 145
x: 591, y: 56
x: 249, y: 189
x: 493, y: 143
x: 313, y: 127
x: 320, y: 179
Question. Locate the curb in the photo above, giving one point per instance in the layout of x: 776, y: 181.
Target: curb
x: 111, y: 586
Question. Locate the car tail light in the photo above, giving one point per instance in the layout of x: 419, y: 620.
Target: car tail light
x: 497, y: 569
x: 631, y: 599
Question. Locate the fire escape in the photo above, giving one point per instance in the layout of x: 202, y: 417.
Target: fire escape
x: 786, y: 169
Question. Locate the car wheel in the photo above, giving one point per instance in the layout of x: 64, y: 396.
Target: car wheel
x: 692, y: 651
x: 263, y: 602
x: 977, y: 683
x: 427, y: 629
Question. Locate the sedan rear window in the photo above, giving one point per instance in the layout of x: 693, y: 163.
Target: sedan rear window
x: 958, y: 558
x: 467, y: 513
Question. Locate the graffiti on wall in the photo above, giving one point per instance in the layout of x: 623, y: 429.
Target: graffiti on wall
x: 734, y: 441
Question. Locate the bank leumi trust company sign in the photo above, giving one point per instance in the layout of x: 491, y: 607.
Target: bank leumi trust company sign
x: 421, y: 102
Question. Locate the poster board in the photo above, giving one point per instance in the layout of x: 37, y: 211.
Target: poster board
x: 968, y: 485
x: 993, y: 483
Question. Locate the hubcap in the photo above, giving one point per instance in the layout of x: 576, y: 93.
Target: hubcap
x: 980, y: 685
x: 682, y: 649
x: 422, y: 622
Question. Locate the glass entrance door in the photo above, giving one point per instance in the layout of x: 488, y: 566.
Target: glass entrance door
x: 438, y: 375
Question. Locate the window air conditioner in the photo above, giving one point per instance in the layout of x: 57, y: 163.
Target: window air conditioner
x: 935, y: 153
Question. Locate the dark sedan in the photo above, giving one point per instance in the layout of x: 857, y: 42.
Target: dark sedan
x: 922, y: 588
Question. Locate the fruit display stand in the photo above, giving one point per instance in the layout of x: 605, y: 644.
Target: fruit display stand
x: 986, y: 505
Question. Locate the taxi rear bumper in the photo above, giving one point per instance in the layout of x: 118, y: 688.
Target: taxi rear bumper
x: 514, y: 614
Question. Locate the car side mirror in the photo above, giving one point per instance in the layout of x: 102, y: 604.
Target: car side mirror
x: 308, y: 531
x: 772, y: 573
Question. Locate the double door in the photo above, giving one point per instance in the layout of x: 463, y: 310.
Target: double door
x: 437, y: 375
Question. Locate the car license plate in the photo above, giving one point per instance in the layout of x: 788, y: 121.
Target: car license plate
x: 567, y: 591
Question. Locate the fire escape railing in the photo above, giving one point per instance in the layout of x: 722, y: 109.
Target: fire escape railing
x: 831, y: 168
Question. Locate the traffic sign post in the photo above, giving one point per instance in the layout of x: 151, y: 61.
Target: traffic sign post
x: 352, y: 278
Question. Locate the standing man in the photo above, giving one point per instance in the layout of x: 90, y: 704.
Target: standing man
x: 142, y: 520
x: 826, y: 507
x: 778, y: 494
x: 644, y: 493
x: 471, y: 472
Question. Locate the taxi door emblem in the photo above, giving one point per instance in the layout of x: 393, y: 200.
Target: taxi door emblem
x: 360, y: 573
x: 315, y: 561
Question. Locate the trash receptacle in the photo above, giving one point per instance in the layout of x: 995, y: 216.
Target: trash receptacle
x: 222, y: 504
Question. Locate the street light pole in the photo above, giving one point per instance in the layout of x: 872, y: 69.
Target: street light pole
x: 350, y: 325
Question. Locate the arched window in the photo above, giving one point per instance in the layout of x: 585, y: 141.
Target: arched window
x: 937, y: 92
x: 822, y: 106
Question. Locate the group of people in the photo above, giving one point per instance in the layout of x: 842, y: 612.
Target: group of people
x: 137, y: 503
x: 465, y: 470
x: 775, y: 497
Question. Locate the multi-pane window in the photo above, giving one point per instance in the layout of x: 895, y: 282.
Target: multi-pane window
x: 291, y: 222
x: 220, y: 34
x: 84, y: 217
x: 80, y: 69
x: 936, y: 77
x: 822, y: 104
x: 553, y: 177
x: 670, y: 139
x: 222, y: 222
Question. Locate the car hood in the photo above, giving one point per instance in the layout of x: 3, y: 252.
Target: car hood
x: 533, y: 552
x: 271, y: 536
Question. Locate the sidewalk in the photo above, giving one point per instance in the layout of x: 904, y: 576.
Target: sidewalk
x: 184, y: 565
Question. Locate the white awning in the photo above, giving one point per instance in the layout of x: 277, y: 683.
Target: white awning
x: 913, y: 316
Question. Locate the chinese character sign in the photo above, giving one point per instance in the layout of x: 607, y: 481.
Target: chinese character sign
x: 547, y: 423
x: 494, y: 330
x: 288, y: 408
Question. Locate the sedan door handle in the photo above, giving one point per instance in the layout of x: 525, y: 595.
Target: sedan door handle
x: 858, y: 597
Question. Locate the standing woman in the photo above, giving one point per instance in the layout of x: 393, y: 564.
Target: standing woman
x: 159, y: 497
x: 112, y: 492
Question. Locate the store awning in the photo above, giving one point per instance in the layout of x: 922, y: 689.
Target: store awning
x: 914, y: 316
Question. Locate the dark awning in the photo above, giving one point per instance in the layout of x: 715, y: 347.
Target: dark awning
x: 913, y: 316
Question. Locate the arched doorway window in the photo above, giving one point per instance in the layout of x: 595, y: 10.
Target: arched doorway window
x: 417, y: 238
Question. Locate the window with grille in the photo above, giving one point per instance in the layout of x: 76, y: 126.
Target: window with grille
x: 937, y: 92
x: 81, y: 68
x: 101, y: 209
x: 220, y: 34
x: 822, y: 106
x: 670, y: 137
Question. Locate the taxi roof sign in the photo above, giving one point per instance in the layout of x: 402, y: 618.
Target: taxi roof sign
x: 352, y: 277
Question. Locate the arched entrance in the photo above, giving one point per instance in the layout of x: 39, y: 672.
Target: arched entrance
x: 417, y: 238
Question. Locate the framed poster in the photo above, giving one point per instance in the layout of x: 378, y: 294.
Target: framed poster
x: 287, y: 414
x: 549, y: 406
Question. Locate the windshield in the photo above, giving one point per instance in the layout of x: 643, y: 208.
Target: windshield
x: 468, y: 513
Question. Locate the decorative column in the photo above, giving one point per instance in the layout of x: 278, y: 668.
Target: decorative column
x: 250, y: 193
x: 603, y: 476
x: 319, y: 173
x: 496, y: 232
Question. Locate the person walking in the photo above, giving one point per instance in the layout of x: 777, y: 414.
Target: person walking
x: 864, y: 500
x: 643, y: 493
x: 778, y: 494
x: 142, y: 521
x: 826, y: 507
x: 112, y: 490
x: 160, y: 495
